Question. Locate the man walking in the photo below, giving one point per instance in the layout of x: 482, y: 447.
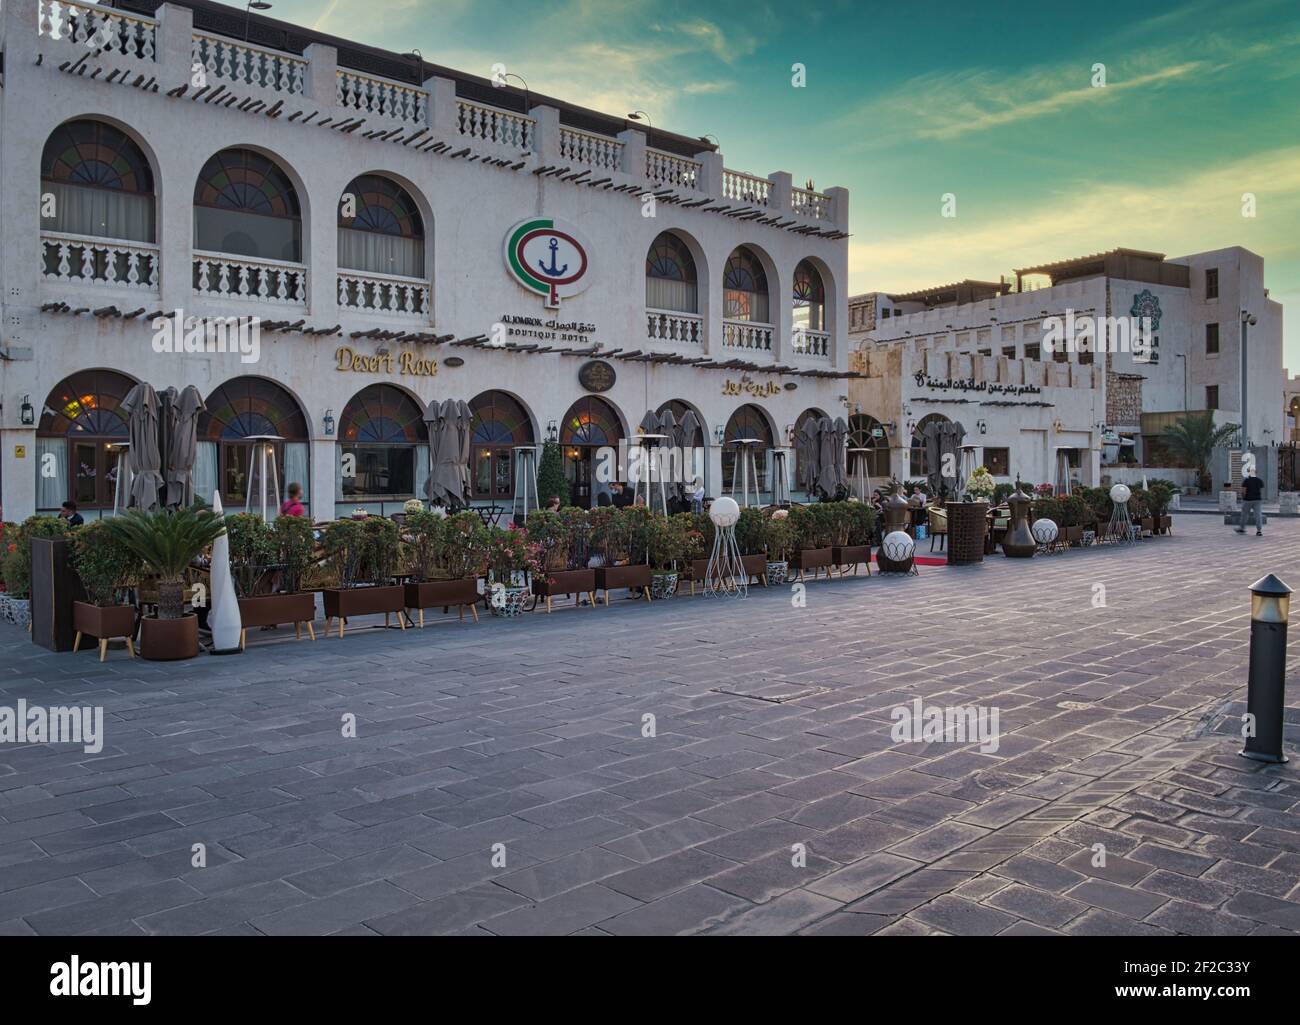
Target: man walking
x: 1252, y: 503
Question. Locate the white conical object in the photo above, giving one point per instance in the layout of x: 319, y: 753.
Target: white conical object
x: 223, y: 611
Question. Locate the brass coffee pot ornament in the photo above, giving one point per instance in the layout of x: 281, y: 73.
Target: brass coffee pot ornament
x: 1018, y: 542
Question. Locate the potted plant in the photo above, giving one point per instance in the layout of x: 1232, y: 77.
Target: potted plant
x: 1139, y: 510
x: 167, y: 541
x: 854, y: 524
x: 812, y: 525
x: 17, y: 569
x: 621, y: 540
x: 1100, y: 508
x: 445, y: 556
x: 107, y: 568
x: 364, y: 555
x: 672, y: 542
x: 564, y: 538
x: 980, y: 485
x: 751, y: 539
x: 1160, y: 493
x: 1074, y: 510
x: 778, y: 543
x: 511, y: 560
x: 1192, y: 439
x: 268, y: 563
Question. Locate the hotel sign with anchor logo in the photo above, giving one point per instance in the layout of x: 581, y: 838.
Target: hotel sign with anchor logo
x: 548, y: 257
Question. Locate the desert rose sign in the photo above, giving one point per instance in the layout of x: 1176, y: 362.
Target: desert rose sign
x: 548, y: 257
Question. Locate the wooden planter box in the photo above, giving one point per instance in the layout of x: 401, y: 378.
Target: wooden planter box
x: 429, y: 594
x: 1071, y: 535
x: 1162, y: 524
x: 167, y: 640
x: 851, y: 555
x: 697, y: 570
x: 103, y: 622
x: 276, y: 609
x: 342, y: 603
x: 565, y: 581
x: 814, y: 559
x: 1148, y: 524
x: 609, y: 577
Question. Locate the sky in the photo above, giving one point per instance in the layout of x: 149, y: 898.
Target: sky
x: 903, y: 104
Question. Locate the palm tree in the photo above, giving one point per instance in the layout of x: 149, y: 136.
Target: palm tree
x: 1193, y: 439
x: 167, y: 541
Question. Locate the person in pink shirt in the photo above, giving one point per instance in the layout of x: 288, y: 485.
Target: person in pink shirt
x: 292, y: 506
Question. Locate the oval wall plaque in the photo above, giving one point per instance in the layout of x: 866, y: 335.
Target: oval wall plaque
x: 597, y: 375
x: 453, y: 361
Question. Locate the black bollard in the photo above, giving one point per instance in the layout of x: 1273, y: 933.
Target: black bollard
x: 1270, y: 604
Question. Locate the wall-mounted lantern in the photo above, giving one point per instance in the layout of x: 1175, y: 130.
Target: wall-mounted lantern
x: 328, y: 423
x: 27, y: 412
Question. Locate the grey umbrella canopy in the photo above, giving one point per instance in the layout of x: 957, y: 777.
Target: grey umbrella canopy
x: 808, y: 455
x: 465, y: 437
x: 841, y: 448
x: 143, y: 458
x: 688, y: 429
x: 182, y: 445
x: 445, y: 482
x: 650, y: 422
x: 943, y: 447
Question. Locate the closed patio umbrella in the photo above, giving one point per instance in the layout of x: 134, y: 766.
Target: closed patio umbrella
x: 827, y: 478
x: 672, y: 432
x: 143, y: 458
x: 807, y: 456
x: 687, y: 431
x: 182, y: 445
x: 943, y: 448
x: 443, y: 485
x: 464, y: 420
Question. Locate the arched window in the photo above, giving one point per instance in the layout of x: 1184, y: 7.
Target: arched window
x: 500, y: 423
x: 101, y: 183
x: 244, y: 205
x: 746, y: 423
x: 670, y: 282
x: 380, y: 228
x: 744, y: 288
x: 920, y: 465
x: 243, y: 408
x: 382, y: 430
x: 867, y: 432
x: 680, y: 410
x: 809, y: 298
x: 589, y: 424
x: 79, y: 425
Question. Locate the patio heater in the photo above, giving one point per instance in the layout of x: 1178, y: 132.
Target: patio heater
x: 649, y: 445
x: 967, y: 468
x: 861, y: 474
x: 261, y: 465
x: 525, y: 460
x: 745, y: 468
x: 1121, y: 524
x: 121, y: 475
x: 780, y: 476
x: 1062, y: 472
x: 725, y: 576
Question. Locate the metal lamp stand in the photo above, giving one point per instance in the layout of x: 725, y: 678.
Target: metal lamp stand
x: 861, y: 475
x: 262, y: 446
x: 1121, y: 524
x: 649, y: 444
x: 725, y: 576
x: 122, y: 480
x: 745, y: 468
x: 525, y: 460
x: 780, y: 476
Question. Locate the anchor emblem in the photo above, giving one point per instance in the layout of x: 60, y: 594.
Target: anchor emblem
x: 553, y: 270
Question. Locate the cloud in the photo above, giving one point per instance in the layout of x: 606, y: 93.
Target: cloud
x: 1198, y: 212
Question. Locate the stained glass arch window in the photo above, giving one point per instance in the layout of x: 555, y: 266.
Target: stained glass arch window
x: 746, y: 422
x: 809, y: 298
x: 381, y: 414
x: 591, y: 421
x: 380, y: 228
x: 101, y: 181
x: 245, y: 205
x: 250, y: 406
x: 744, y: 284
x: 500, y: 419
x: 86, y: 403
x: 862, y: 434
x: 671, y: 281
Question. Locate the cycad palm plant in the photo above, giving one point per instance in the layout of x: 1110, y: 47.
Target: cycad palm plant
x: 167, y: 541
x: 1193, y: 439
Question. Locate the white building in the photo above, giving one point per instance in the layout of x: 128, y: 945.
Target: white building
x: 372, y: 211
x: 1204, y: 353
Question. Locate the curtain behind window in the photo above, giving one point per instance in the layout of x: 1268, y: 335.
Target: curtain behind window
x: 664, y: 294
x: 100, y: 213
x: 421, y: 469
x: 374, y: 253
x: 205, y: 470
x: 51, y: 490
x: 296, y: 466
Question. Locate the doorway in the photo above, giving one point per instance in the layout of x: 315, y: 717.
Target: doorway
x: 577, y: 469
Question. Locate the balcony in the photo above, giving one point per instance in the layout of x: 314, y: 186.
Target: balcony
x: 815, y: 206
x: 112, y: 263
x: 596, y: 151
x: 490, y: 124
x: 811, y: 344
x: 673, y: 171
x: 219, y: 276
x: 384, y: 293
x: 249, y: 65
x: 86, y: 27
x: 382, y: 97
x: 674, y: 327
x: 746, y: 336
x: 746, y: 188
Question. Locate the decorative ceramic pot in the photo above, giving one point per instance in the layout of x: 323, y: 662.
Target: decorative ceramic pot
x: 777, y: 572
x: 507, y: 602
x: 663, y: 585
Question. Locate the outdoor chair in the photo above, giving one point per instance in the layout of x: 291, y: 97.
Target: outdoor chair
x: 938, y: 527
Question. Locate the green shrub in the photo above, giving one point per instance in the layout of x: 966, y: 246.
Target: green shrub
x: 167, y: 541
x: 549, y: 531
x: 751, y: 531
x: 105, y: 565
x: 253, y: 552
x: 462, y: 552
x: 781, y: 537
x: 861, y: 523
x: 1050, y: 509
x: 423, y: 536
x: 1160, y: 493
x: 295, y: 541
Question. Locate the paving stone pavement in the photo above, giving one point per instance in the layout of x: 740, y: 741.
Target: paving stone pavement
x: 771, y: 736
